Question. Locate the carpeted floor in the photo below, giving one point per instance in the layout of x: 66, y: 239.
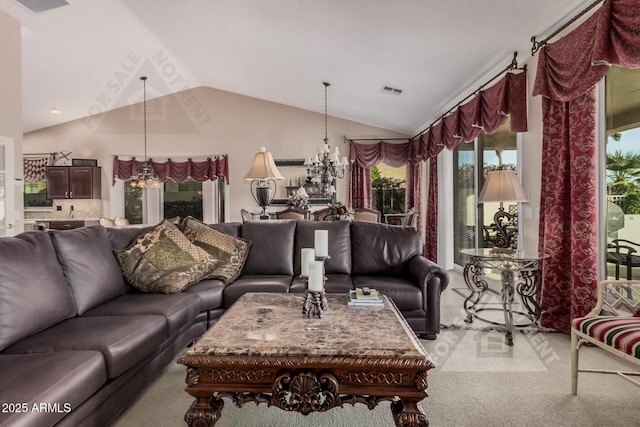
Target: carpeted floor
x: 478, y: 381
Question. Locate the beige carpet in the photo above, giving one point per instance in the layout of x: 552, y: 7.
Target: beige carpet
x: 477, y: 381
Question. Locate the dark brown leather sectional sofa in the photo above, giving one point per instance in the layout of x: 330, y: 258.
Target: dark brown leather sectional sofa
x: 78, y: 344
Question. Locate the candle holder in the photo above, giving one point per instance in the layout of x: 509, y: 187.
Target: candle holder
x: 315, y: 304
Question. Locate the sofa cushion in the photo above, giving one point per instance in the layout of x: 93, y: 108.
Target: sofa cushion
x: 339, y: 244
x: 231, y: 251
x: 254, y: 283
x: 210, y: 293
x: 230, y: 228
x: 404, y: 294
x: 123, y: 237
x: 381, y: 248
x: 33, y: 290
x: 271, y: 248
x: 122, y: 340
x: 63, y: 379
x: 178, y: 309
x: 164, y: 260
x: 88, y: 262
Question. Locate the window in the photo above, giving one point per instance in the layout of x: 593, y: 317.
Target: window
x: 202, y: 200
x: 182, y: 200
x: 474, y: 222
x: 134, y: 204
x: 388, y: 186
x: 622, y: 114
x: 35, y: 195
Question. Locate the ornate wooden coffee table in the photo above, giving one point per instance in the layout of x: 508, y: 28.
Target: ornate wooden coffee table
x: 264, y: 350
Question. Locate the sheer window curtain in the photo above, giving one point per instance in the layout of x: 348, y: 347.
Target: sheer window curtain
x: 568, y: 70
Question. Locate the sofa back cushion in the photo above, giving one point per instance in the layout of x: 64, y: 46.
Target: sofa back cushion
x: 123, y: 237
x: 271, y: 246
x: 90, y: 266
x: 339, y: 244
x: 230, y: 228
x: 381, y: 248
x: 33, y: 290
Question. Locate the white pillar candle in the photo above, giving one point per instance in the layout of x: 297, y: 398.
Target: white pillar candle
x: 315, y: 276
x: 321, y: 243
x: 307, y: 255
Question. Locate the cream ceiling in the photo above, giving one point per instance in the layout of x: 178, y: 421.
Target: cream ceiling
x: 78, y: 58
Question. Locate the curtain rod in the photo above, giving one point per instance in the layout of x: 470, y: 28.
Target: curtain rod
x: 538, y: 44
x: 38, y: 154
x: 512, y: 66
x: 375, y: 139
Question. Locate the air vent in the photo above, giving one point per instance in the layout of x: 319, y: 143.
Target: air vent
x: 38, y: 6
x: 391, y: 90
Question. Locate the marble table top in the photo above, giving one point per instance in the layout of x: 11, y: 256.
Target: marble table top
x: 272, y: 325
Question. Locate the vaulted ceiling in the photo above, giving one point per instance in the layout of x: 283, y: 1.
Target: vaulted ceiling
x: 77, y: 58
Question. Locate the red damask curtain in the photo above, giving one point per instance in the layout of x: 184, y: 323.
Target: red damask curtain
x: 568, y: 210
x: 567, y: 73
x: 208, y: 170
x: 431, y: 239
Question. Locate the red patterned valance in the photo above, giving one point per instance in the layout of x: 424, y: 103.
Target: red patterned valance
x: 208, y: 170
x: 487, y: 111
x: 575, y: 63
x: 35, y: 168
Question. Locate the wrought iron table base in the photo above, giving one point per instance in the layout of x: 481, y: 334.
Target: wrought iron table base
x: 527, y: 286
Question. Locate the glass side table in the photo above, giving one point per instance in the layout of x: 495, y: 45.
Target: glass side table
x: 519, y: 272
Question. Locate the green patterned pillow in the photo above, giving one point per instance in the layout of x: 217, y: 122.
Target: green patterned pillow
x: 231, y: 251
x: 163, y: 260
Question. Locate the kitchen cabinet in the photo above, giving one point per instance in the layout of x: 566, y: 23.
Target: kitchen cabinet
x: 74, y: 182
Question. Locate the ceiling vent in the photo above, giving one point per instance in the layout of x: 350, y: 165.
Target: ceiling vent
x: 391, y: 90
x: 38, y: 6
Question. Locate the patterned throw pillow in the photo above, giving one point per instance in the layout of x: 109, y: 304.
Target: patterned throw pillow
x: 231, y: 251
x: 163, y: 260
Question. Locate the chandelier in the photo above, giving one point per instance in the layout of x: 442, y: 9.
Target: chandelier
x: 145, y: 170
x: 325, y: 167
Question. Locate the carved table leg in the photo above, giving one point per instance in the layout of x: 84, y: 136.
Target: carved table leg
x: 408, y: 413
x: 204, y: 412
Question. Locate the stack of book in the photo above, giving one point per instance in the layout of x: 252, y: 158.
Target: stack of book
x: 359, y: 298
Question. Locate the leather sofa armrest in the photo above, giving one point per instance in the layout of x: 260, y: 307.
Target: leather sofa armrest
x: 432, y: 280
x: 427, y: 274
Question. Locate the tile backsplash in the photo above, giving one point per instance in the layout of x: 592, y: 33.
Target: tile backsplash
x: 82, y: 209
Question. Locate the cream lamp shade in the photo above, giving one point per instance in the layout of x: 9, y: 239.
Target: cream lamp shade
x: 263, y: 167
x: 302, y: 192
x: 502, y: 186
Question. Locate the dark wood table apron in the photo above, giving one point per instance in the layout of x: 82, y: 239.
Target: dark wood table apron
x: 264, y: 350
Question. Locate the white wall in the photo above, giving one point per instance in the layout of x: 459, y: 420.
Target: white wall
x: 11, y: 101
x: 199, y: 123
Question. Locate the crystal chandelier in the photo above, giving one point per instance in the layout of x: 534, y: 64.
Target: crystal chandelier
x: 325, y: 167
x: 145, y: 170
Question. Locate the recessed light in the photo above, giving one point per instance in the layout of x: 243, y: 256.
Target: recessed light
x: 54, y: 111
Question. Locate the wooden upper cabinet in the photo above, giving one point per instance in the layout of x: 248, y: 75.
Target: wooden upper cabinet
x: 74, y: 182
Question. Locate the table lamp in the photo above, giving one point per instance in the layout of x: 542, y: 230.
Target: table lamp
x: 262, y: 175
x: 502, y: 186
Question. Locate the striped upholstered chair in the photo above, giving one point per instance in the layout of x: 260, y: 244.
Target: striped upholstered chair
x: 613, y: 325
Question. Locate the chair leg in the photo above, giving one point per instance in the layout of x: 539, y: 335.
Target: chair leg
x: 574, y: 363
